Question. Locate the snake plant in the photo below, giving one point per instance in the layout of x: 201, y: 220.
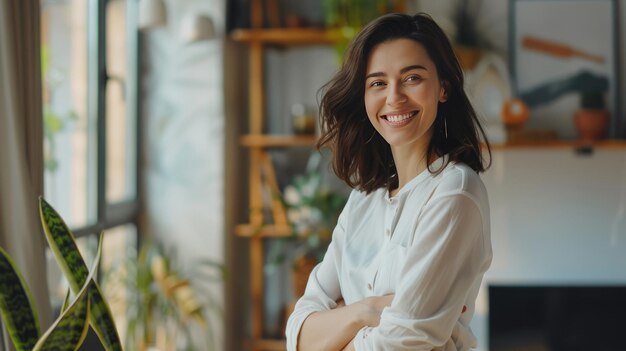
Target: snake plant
x: 88, y: 306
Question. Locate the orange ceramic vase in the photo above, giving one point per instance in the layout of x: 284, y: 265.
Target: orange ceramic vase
x: 591, y: 124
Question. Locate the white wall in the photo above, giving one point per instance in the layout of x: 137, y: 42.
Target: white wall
x: 557, y: 218
x: 183, y: 163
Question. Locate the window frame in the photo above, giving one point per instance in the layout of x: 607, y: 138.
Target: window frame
x: 124, y: 212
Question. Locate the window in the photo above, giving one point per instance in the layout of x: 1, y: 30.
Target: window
x: 89, y: 67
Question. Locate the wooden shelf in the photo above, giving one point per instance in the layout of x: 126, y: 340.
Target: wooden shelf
x: 266, y: 344
x: 265, y: 231
x: 287, y: 36
x: 278, y: 141
x: 563, y: 144
x: 263, y: 140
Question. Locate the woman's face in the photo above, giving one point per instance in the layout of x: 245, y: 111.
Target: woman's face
x: 402, y: 91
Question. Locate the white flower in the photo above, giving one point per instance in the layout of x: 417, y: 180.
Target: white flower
x: 306, y: 214
x: 309, y: 188
x: 293, y: 215
x: 291, y: 195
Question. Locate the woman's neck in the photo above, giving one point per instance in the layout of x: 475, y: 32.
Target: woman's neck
x: 409, y: 164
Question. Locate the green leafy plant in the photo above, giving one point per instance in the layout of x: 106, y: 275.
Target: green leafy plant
x: 163, y: 304
x: 592, y: 100
x: 349, y: 16
x: 312, y: 211
x: 88, y: 307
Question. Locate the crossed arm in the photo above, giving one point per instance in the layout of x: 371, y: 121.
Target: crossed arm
x: 334, y: 329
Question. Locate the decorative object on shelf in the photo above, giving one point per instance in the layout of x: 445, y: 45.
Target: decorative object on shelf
x: 301, y: 269
x: 489, y: 88
x: 164, y: 305
x: 554, y: 58
x: 312, y: 212
x: 514, y: 113
x: 302, y: 119
x: 87, y: 306
x: 592, y: 119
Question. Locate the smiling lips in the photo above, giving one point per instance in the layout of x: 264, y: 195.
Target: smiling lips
x: 399, y: 120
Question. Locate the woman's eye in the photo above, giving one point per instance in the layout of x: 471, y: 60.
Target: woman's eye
x: 377, y: 83
x: 413, y: 78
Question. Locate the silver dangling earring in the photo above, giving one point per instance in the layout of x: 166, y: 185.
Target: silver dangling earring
x: 445, y: 126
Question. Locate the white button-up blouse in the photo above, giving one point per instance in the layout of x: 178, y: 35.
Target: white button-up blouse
x: 429, y: 245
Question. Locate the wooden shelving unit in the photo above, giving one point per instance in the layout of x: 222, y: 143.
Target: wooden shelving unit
x: 261, y: 172
x: 276, y: 141
x: 287, y: 36
x: 263, y: 231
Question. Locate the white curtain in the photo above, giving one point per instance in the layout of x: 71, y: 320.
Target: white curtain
x: 21, y: 150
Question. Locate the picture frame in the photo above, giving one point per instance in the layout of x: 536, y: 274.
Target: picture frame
x: 560, y: 50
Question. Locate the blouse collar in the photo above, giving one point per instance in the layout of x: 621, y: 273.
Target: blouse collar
x: 425, y: 174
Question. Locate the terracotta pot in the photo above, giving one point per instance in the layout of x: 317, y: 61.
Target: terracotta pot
x: 591, y: 124
x: 300, y: 274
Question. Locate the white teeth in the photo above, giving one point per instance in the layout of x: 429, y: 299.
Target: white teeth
x: 399, y: 118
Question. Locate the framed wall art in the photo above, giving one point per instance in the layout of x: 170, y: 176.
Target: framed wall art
x: 561, y: 52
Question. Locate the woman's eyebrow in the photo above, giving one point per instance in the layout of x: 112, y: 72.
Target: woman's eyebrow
x: 403, y: 70
x: 412, y: 67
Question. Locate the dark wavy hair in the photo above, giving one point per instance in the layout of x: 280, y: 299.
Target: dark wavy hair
x: 361, y: 157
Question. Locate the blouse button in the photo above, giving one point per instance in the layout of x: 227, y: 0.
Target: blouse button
x: 369, y: 286
x: 387, y: 232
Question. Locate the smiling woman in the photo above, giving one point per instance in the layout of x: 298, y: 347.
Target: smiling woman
x: 401, y: 96
x: 412, y: 244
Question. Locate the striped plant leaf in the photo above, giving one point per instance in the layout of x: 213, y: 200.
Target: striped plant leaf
x: 68, y: 332
x: 16, y: 305
x: 63, y: 245
x: 66, y: 301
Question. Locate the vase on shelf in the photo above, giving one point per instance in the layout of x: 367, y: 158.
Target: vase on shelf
x: 592, y: 119
x: 302, y: 268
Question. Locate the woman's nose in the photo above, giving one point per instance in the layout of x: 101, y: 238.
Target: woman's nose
x: 395, y: 95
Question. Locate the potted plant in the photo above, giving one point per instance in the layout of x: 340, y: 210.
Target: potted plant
x: 592, y: 119
x: 87, y: 307
x: 312, y: 211
x: 347, y: 17
x: 164, y: 305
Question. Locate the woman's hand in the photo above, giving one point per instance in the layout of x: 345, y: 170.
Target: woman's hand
x: 334, y: 329
x: 369, y: 310
x: 372, y: 307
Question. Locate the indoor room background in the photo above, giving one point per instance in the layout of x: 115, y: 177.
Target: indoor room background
x: 210, y: 110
